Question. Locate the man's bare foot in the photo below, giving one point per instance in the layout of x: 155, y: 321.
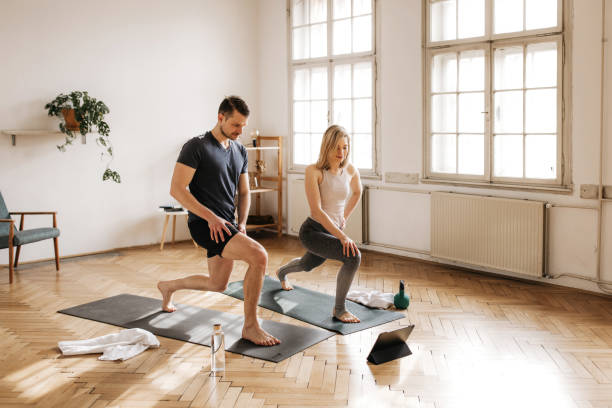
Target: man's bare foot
x: 284, y: 283
x: 347, y: 317
x: 259, y: 336
x: 166, y: 291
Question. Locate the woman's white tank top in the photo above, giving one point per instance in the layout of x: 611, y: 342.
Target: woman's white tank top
x: 335, y: 189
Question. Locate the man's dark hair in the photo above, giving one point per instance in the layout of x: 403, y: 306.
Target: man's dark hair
x: 233, y: 103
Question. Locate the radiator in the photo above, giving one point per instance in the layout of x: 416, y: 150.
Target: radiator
x: 499, y: 233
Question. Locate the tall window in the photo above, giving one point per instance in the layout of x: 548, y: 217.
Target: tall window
x: 333, y: 71
x: 494, y: 88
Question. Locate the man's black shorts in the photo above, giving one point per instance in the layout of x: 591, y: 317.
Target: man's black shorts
x: 201, y: 235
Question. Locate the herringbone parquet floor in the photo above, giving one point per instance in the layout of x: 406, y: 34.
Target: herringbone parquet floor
x: 479, y: 341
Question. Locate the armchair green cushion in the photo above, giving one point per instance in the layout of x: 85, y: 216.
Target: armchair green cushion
x: 29, y: 236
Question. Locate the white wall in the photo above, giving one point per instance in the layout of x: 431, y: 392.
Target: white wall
x: 273, y: 90
x: 573, y: 231
x: 161, y: 66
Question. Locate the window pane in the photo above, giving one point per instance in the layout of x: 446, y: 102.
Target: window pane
x: 508, y: 112
x: 541, y: 69
x: 442, y: 20
x: 342, y: 81
x: 443, y: 153
x: 471, y: 154
x: 444, y: 73
x: 318, y: 82
x: 362, y: 79
x: 541, y: 111
x: 362, y: 115
x: 472, y: 70
x: 301, y: 148
x: 299, y: 12
x: 301, y: 43
x: 318, y: 40
x: 318, y: 116
x: 471, y: 116
x: 362, y: 150
x: 443, y: 113
x: 508, y: 156
x: 318, y: 11
x: 301, y: 117
x: 342, y: 37
x: 540, y: 14
x: 508, y: 16
x: 301, y: 84
x: 362, y: 7
x: 362, y: 34
x: 342, y: 8
x: 541, y: 156
x: 315, y: 146
x: 471, y: 18
x: 509, y: 68
x: 343, y: 114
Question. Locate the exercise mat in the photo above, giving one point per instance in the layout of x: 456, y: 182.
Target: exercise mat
x: 195, y: 325
x: 314, y: 307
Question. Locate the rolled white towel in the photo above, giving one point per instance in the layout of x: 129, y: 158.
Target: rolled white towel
x: 117, y: 346
x: 371, y: 298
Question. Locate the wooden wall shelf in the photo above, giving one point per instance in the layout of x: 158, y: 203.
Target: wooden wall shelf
x: 13, y: 133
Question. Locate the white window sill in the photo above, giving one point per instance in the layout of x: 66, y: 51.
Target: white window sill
x: 522, y: 187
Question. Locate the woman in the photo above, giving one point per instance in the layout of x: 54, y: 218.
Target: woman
x: 333, y: 189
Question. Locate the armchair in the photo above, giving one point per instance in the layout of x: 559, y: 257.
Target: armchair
x: 11, y: 238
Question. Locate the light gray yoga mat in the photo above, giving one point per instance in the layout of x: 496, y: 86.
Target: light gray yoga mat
x: 195, y: 325
x: 314, y: 307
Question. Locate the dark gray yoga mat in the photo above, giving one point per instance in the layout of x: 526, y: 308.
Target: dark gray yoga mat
x: 314, y: 307
x: 194, y: 325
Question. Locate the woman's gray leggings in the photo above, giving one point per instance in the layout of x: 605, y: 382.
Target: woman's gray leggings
x: 322, y: 245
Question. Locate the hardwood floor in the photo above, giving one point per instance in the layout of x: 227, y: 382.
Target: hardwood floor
x: 479, y: 341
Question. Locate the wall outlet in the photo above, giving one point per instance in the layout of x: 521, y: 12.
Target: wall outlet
x: 402, y: 178
x: 589, y: 191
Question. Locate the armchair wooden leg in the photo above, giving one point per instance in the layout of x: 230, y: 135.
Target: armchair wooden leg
x: 56, y: 254
x: 10, y: 248
x: 19, y: 247
x: 10, y: 262
x: 17, y: 255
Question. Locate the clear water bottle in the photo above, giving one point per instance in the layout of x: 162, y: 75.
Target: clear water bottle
x: 217, y: 351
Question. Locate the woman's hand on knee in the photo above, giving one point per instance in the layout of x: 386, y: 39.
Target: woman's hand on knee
x: 349, y: 248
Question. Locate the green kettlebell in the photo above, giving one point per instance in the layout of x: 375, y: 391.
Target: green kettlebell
x: 401, y: 300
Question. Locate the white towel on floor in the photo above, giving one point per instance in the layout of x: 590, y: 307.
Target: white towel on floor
x: 117, y: 346
x: 371, y: 298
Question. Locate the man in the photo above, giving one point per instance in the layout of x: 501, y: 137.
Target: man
x: 212, y: 166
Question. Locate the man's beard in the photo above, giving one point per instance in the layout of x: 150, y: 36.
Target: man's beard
x: 225, y: 134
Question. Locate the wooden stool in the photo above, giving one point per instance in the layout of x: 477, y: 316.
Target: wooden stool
x: 172, y: 214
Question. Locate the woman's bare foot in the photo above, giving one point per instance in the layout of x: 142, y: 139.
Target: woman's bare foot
x: 284, y: 283
x: 347, y: 317
x: 166, y: 291
x: 257, y: 335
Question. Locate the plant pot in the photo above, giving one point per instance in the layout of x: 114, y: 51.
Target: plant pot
x: 70, y: 119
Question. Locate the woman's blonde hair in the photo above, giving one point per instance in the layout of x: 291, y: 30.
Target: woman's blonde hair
x: 330, y: 140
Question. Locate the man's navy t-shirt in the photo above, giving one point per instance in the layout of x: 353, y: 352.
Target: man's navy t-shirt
x: 217, y: 173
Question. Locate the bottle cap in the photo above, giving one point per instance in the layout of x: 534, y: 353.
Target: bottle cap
x: 217, y: 326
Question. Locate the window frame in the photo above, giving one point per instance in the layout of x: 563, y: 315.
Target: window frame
x: 331, y: 61
x: 562, y: 182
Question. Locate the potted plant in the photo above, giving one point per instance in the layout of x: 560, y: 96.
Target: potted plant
x: 80, y: 112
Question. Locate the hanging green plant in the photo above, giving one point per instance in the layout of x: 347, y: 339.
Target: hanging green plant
x: 80, y: 112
